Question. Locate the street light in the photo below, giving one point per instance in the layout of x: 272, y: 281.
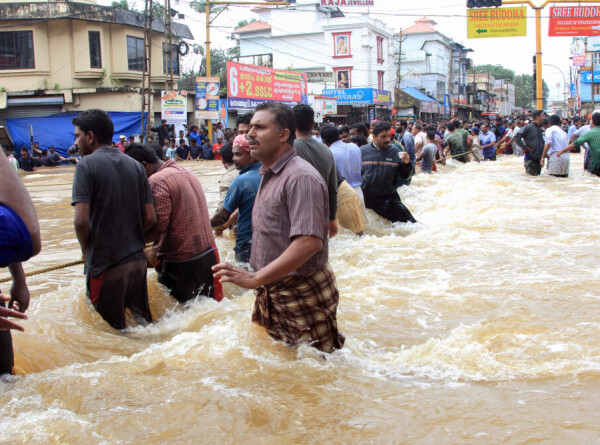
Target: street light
x: 564, y: 83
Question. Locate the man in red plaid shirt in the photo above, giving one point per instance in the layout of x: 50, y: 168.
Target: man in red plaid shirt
x: 183, y: 238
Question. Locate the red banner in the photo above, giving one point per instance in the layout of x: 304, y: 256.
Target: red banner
x: 249, y: 85
x: 574, y: 21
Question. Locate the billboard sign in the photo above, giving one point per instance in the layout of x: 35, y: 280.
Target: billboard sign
x: 250, y: 85
x: 574, y: 21
x: 173, y: 107
x: 207, y: 97
x: 342, y: 3
x: 586, y: 77
x: 321, y: 76
x: 496, y: 22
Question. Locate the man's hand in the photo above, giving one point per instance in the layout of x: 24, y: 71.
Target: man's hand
x: 405, y: 157
x: 19, y: 292
x: 542, y: 162
x: 228, y: 273
x: 6, y: 324
x: 333, y: 228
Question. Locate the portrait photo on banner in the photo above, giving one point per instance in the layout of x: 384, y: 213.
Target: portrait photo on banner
x: 343, y: 78
x: 341, y: 42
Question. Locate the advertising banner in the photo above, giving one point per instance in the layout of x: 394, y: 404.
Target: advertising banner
x: 342, y: 3
x: 586, y: 77
x: 207, y: 97
x: 250, y: 85
x: 382, y: 97
x: 574, y: 21
x: 321, y: 76
x: 323, y: 106
x: 496, y: 22
x: 593, y: 43
x: 173, y: 107
x: 578, y: 60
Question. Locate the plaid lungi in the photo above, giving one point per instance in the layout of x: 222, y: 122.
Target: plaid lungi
x: 301, y: 310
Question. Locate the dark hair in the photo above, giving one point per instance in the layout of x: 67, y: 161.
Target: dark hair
x: 23, y: 149
x: 536, y: 113
x: 431, y: 134
x: 554, y: 119
x: 44, y: 152
x: 227, y: 152
x: 157, y: 149
x: 141, y: 153
x: 596, y: 119
x: 98, y: 122
x: 361, y: 129
x: 164, y: 120
x: 283, y: 117
x: 418, y: 127
x: 330, y: 134
x: 132, y: 138
x: 475, y: 130
x: 305, y: 117
x: 244, y: 119
x: 450, y: 127
x: 192, y: 140
x: 194, y: 126
x: 379, y: 127
x: 344, y: 129
x: 181, y: 141
x: 359, y: 140
x: 403, y: 123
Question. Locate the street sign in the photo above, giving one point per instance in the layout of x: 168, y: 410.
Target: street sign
x: 496, y: 22
x: 574, y: 21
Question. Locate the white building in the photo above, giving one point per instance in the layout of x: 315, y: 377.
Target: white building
x: 343, y: 52
x: 505, y: 96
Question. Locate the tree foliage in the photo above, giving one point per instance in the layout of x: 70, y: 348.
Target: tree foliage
x: 218, y: 68
x: 524, y: 92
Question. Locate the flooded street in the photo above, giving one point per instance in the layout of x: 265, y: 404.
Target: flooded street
x: 479, y: 324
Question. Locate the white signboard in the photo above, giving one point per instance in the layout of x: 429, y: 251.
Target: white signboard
x: 323, y: 106
x: 593, y: 43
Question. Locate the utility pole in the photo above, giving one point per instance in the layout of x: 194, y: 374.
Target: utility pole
x: 146, y: 89
x: 168, y: 50
x: 593, y: 54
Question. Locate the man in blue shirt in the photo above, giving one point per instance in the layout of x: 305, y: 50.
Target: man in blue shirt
x: 194, y: 134
x: 240, y: 196
x: 488, y: 143
x: 195, y: 149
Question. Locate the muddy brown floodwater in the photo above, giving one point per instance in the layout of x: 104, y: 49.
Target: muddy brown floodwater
x: 480, y: 324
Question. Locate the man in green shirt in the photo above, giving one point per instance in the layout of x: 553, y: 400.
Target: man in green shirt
x: 455, y: 143
x: 592, y: 137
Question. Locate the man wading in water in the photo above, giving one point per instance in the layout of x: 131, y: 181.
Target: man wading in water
x: 296, y: 293
x: 113, y: 210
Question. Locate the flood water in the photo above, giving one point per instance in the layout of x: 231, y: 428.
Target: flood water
x: 480, y: 324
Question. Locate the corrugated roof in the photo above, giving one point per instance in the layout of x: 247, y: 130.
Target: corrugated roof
x: 417, y: 94
x: 258, y: 25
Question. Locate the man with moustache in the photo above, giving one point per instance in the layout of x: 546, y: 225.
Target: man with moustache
x: 383, y: 168
x: 296, y: 293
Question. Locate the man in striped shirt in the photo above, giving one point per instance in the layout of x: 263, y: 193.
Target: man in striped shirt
x: 296, y: 293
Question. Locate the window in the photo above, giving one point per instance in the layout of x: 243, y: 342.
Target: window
x: 341, y: 45
x: 135, y: 53
x: 379, y: 49
x: 16, y: 50
x: 95, y: 54
x: 380, y: 80
x: 596, y: 89
x: 596, y: 56
x: 166, y: 66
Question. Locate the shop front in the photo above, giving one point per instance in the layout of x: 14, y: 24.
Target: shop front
x: 361, y: 104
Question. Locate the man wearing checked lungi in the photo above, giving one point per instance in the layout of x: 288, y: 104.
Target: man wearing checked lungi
x: 296, y: 293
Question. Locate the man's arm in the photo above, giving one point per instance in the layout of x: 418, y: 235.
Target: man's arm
x: 298, y: 252
x: 19, y: 293
x: 5, y: 323
x: 332, y: 191
x: 14, y: 195
x: 519, y: 137
x: 220, y: 218
x: 406, y: 169
x: 82, y: 224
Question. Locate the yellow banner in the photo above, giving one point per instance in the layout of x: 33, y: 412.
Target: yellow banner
x: 496, y: 22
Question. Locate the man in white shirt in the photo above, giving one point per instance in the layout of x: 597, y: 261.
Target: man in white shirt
x: 420, y: 138
x: 556, y: 139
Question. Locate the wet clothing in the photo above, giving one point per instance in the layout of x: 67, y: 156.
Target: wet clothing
x: 531, y: 136
x: 349, y: 209
x: 193, y: 277
x: 382, y: 171
x: 225, y: 182
x: 120, y: 287
x: 458, y: 149
x: 117, y: 189
x: 243, y: 252
x: 408, y: 141
x: 301, y: 309
x: 27, y: 163
x: 428, y: 152
x: 241, y: 195
x: 592, y: 139
x: 533, y: 168
x: 485, y: 139
x: 15, y: 240
x: 291, y: 201
x: 7, y: 355
x: 559, y: 166
x: 195, y: 151
x: 348, y: 160
x: 320, y: 157
x: 182, y: 220
x: 51, y: 159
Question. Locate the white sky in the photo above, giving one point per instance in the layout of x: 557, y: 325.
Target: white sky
x: 515, y: 53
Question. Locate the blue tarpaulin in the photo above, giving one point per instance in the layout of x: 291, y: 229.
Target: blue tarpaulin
x: 58, y: 130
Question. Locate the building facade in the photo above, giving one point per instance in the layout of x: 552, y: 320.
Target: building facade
x: 64, y: 56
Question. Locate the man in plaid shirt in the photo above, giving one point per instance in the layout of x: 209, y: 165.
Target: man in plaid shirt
x: 592, y: 137
x: 183, y: 239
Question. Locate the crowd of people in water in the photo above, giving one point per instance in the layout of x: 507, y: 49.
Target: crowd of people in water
x: 287, y: 186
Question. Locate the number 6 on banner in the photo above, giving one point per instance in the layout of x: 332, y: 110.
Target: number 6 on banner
x: 233, y: 81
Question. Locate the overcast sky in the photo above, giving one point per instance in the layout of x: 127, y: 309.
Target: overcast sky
x: 511, y: 52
